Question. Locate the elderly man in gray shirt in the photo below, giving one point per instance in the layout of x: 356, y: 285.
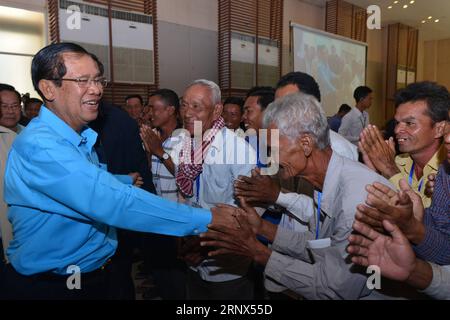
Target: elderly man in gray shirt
x: 313, y: 263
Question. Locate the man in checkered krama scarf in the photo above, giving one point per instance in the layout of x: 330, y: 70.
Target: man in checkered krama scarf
x: 208, y: 167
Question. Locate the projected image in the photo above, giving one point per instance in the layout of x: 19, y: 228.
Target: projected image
x: 338, y: 66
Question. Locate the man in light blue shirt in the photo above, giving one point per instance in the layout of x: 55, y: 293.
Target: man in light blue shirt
x: 64, y: 206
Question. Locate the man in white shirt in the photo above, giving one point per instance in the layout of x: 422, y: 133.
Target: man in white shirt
x: 209, y: 182
x: 357, y: 119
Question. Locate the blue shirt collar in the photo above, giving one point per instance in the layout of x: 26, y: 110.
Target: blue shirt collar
x: 87, y: 136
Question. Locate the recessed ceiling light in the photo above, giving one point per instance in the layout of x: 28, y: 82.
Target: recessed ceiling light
x: 412, y: 1
x: 437, y: 20
x: 405, y: 6
x: 430, y: 17
x: 390, y: 7
x: 423, y: 21
x: 395, y: 2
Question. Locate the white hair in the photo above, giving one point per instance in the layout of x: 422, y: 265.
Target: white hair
x: 297, y: 114
x: 214, y: 89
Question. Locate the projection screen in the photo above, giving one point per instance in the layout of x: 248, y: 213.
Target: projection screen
x: 338, y: 64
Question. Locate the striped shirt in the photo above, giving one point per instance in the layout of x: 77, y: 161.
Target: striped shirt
x: 436, y: 245
x: 163, y: 180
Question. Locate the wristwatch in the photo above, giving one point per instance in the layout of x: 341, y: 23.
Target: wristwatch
x: 165, y: 156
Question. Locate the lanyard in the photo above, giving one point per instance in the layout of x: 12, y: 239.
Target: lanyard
x: 411, y: 174
x: 319, y: 200
x: 197, y: 183
x: 258, y: 161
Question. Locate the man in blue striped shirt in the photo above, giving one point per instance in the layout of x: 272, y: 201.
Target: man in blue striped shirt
x: 64, y: 206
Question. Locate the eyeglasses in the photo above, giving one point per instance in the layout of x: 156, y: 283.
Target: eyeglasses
x: 13, y: 107
x: 87, y: 82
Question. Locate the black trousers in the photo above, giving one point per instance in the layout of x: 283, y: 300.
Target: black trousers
x: 169, y: 273
x: 2, y: 271
x: 49, y: 286
x: 121, y: 285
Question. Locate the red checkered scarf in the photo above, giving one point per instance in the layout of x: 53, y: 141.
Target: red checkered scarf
x: 189, y: 170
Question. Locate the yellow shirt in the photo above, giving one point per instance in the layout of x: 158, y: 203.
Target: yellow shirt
x: 404, y: 163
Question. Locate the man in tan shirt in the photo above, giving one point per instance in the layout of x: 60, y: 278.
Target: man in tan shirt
x: 6, y: 139
x: 421, y: 115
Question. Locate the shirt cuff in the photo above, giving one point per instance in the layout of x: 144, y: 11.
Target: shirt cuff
x: 282, y: 239
x: 435, y: 285
x: 283, y: 200
x: 200, y: 220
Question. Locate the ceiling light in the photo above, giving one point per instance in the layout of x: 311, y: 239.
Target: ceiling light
x: 437, y: 20
x: 405, y: 6
x: 412, y: 1
x: 423, y: 21
x: 430, y: 17
x: 395, y: 2
x: 390, y: 7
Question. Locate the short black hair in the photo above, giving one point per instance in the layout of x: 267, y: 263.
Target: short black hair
x: 265, y: 97
x: 361, y: 92
x: 436, y: 97
x: 169, y: 97
x: 235, y: 100
x: 32, y: 100
x: 4, y: 86
x: 48, y: 63
x: 344, y: 108
x: 259, y: 88
x: 138, y: 96
x: 7, y: 87
x: 304, y: 82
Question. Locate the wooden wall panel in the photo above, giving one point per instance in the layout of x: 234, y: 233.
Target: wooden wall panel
x: 346, y: 19
x: 258, y: 18
x: 116, y: 91
x: 401, y: 62
x: 53, y: 21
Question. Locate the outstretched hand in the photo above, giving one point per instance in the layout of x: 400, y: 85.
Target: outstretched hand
x: 392, y: 254
x: 241, y: 241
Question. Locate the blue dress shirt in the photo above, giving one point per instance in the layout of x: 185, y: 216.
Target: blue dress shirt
x: 64, y: 205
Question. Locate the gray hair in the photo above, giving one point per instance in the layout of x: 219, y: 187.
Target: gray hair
x: 296, y: 114
x: 213, y: 89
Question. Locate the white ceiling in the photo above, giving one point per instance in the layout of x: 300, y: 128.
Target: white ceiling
x: 411, y: 16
